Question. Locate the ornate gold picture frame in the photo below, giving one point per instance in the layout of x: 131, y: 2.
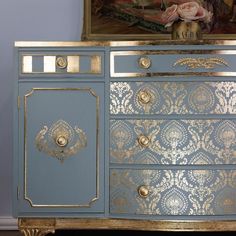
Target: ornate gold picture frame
x: 138, y: 20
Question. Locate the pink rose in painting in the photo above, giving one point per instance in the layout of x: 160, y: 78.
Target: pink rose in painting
x: 170, y: 15
x: 191, y: 11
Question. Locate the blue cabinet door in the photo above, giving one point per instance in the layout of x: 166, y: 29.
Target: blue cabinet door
x: 61, y: 160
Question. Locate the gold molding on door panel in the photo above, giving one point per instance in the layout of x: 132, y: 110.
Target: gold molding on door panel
x: 113, y: 54
x: 205, y: 63
x: 18, y: 102
x: 26, y: 96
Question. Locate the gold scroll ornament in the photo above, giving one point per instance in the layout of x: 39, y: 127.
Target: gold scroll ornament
x: 60, y: 140
x: 205, y: 63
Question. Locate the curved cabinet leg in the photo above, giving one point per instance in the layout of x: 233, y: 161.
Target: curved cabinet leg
x: 36, y: 232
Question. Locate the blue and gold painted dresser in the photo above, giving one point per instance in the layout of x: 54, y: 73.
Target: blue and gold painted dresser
x: 125, y: 135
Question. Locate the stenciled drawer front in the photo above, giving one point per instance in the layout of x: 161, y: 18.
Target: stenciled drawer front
x: 59, y: 63
x: 195, y: 192
x: 169, y: 63
x: 173, y: 98
x: 62, y: 157
x: 173, y: 142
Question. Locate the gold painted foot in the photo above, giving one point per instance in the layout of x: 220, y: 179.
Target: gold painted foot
x: 36, y: 232
x: 36, y: 227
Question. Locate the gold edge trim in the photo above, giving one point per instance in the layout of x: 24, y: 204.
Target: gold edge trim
x: 112, y: 65
x: 156, y: 37
x: 25, y: 147
x: 113, y: 43
x: 61, y: 44
x: 62, y: 73
x: 87, y: 21
x: 128, y: 224
x: 151, y: 74
x: 97, y: 143
x: 174, y: 52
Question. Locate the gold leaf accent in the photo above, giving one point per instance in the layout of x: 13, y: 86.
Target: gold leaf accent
x: 206, y: 63
x: 47, y: 140
x: 37, y: 232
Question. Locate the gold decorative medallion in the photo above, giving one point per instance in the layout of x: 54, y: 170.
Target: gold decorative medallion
x: 60, y: 140
x: 205, y: 63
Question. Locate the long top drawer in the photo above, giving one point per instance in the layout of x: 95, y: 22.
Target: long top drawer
x: 179, y: 62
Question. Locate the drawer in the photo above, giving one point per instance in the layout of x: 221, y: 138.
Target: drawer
x: 61, y: 63
x: 195, y: 192
x: 173, y: 142
x: 168, y: 63
x: 173, y: 98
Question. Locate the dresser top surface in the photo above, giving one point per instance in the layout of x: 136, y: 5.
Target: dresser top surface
x: 120, y: 43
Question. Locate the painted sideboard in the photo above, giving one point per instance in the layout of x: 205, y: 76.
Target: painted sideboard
x: 125, y: 135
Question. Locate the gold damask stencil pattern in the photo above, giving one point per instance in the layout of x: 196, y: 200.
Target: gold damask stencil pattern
x: 173, y: 98
x: 120, y: 98
x: 171, y: 142
x: 201, y: 99
x: 173, y: 192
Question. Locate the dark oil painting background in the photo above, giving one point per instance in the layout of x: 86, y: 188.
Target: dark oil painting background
x: 144, y: 16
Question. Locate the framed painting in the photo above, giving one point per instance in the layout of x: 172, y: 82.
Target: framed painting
x: 142, y: 19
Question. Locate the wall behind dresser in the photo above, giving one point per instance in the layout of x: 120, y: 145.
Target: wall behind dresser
x: 20, y: 20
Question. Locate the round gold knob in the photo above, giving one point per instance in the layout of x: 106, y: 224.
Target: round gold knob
x: 144, y: 141
x: 61, y: 62
x: 143, y: 191
x: 144, y: 97
x: 61, y: 141
x: 144, y: 62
